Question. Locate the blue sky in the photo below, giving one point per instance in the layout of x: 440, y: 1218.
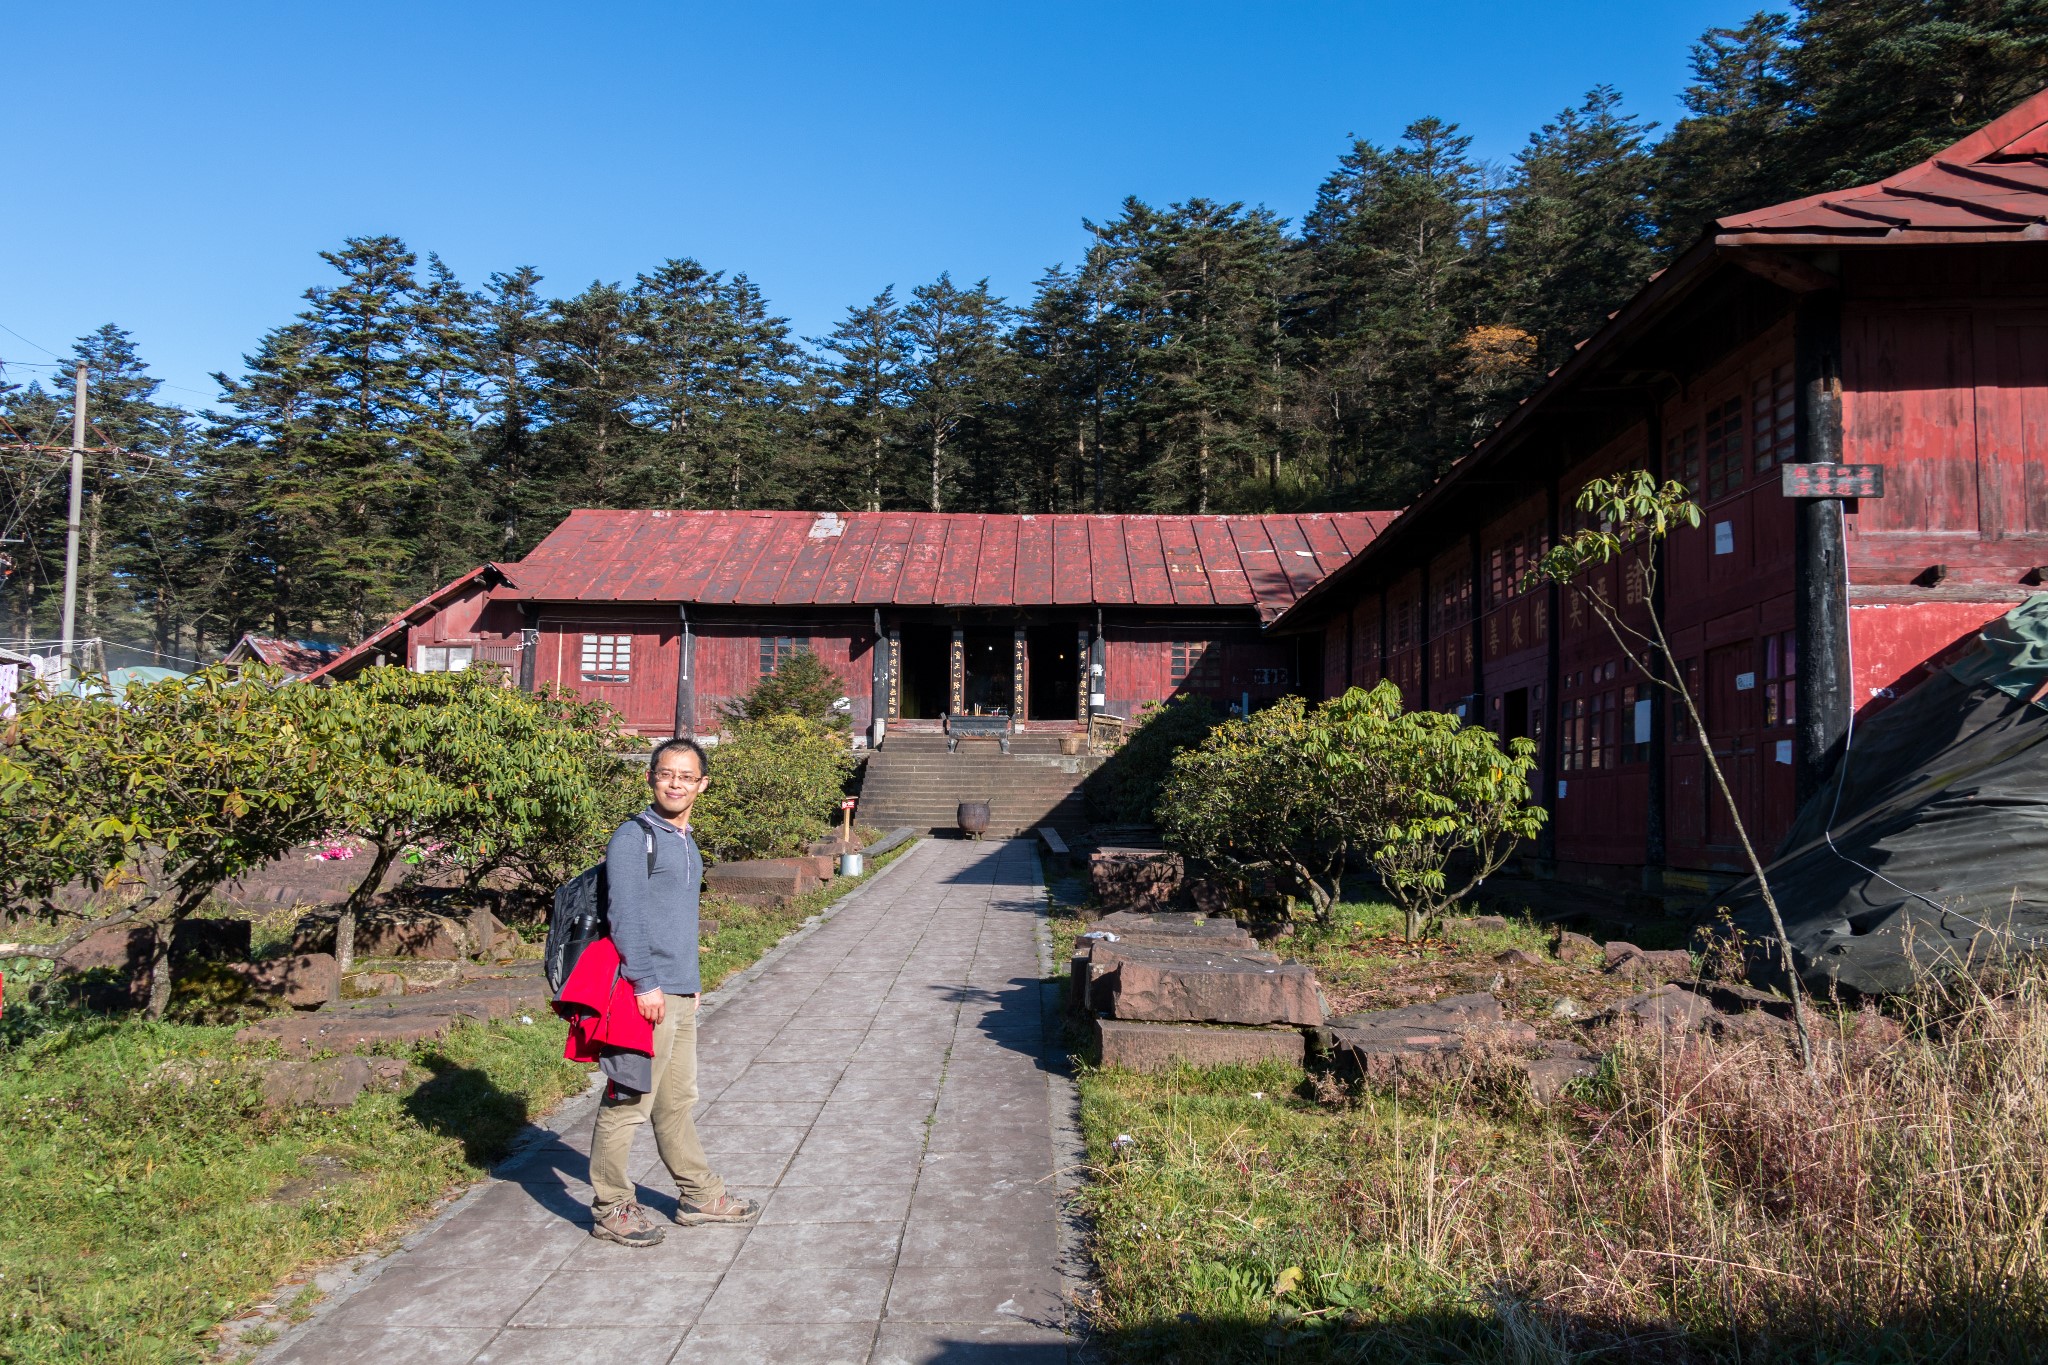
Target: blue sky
x: 178, y: 167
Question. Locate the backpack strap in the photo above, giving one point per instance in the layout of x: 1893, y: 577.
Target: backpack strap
x: 647, y: 830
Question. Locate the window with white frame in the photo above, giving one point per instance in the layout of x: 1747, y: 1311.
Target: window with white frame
x: 607, y: 658
x: 443, y: 658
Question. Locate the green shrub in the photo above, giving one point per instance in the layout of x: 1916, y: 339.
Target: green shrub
x: 799, y: 686
x: 1296, y: 791
x: 1125, y: 789
x: 775, y: 785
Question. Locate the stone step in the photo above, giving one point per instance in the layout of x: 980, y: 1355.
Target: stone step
x: 1137, y: 1046
x: 1199, y: 986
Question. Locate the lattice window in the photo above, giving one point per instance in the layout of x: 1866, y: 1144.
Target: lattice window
x: 1194, y: 664
x: 607, y: 658
x: 1781, y: 679
x: 1723, y: 447
x: 1773, y: 418
x: 1682, y: 459
x: 777, y: 650
x: 444, y: 658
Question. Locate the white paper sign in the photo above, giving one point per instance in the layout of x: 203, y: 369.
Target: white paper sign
x: 1745, y: 682
x: 1784, y: 751
x: 1643, y: 721
x: 1724, y: 537
x: 1560, y: 787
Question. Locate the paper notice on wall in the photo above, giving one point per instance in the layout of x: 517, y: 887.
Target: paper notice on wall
x: 1724, y: 537
x: 1784, y: 751
x: 1560, y: 788
x: 10, y: 680
x: 1643, y: 721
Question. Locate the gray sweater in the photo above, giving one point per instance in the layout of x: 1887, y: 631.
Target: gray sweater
x: 654, y: 918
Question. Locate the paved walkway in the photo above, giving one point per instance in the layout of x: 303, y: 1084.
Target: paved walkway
x: 882, y: 1085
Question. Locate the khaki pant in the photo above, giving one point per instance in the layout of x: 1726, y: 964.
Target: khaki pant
x: 668, y: 1105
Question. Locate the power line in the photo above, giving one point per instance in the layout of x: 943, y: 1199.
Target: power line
x: 37, y: 344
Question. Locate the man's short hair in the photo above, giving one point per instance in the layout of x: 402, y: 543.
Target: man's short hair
x: 669, y: 746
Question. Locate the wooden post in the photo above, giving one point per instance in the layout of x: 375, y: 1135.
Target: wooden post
x: 878, y: 684
x: 686, y: 677
x: 1081, y: 660
x: 529, y: 644
x: 1821, y: 596
x: 1656, y: 841
x: 1478, y: 641
x: 1020, y: 680
x: 1553, y: 669
x: 956, y: 697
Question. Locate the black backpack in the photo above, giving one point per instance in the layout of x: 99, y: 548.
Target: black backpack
x: 582, y: 916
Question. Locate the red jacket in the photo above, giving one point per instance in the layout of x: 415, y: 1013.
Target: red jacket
x: 597, y: 1000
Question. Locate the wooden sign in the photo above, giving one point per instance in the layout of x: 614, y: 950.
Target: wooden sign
x: 1832, y: 480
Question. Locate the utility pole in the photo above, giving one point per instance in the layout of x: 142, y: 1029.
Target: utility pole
x: 71, y: 526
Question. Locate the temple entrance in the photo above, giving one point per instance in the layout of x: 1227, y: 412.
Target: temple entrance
x: 986, y: 687
x: 922, y: 672
x: 1055, y: 655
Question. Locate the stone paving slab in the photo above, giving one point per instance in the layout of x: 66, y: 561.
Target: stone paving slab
x: 884, y: 1086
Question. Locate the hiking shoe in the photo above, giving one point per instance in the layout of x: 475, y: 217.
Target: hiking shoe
x: 724, y: 1209
x: 629, y: 1225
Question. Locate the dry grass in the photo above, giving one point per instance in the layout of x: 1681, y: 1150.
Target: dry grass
x: 1689, y: 1204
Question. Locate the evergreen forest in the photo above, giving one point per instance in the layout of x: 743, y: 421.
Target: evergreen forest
x: 1202, y: 356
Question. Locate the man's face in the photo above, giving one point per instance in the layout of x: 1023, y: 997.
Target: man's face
x: 677, y: 781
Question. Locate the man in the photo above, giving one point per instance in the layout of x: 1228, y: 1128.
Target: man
x: 653, y: 910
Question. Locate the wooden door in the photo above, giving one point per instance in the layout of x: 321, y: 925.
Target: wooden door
x: 1734, y: 723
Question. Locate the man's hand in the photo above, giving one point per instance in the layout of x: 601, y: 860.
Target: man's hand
x: 653, y: 1006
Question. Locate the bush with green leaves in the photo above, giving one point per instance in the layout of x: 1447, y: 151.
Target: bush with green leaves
x: 469, y: 768
x: 1297, y: 791
x: 775, y: 785
x: 175, y: 787
x: 1125, y: 789
x: 801, y: 685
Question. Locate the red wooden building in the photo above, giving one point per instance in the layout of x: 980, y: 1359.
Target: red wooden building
x: 671, y: 615
x: 1902, y: 324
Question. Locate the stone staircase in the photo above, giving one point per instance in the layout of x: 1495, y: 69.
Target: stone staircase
x: 912, y: 780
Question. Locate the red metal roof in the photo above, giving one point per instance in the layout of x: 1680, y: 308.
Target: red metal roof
x: 483, y: 575
x: 1994, y: 183
x: 939, y: 559
x: 295, y: 657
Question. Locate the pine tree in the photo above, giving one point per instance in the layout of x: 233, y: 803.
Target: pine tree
x: 1576, y: 239
x: 1887, y: 83
x: 354, y: 414
x: 952, y: 336
x: 595, y: 371
x: 862, y: 375
x: 512, y: 327
x: 1392, y: 253
x: 1728, y: 155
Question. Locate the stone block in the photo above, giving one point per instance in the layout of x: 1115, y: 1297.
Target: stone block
x: 1200, y: 985
x: 1668, y: 1009
x: 763, y: 881
x: 1518, y: 957
x: 302, y: 981
x: 1641, y: 964
x: 1134, y: 878
x: 1577, y: 948
x: 1426, y: 1041
x: 1138, y: 1046
x: 330, y: 1084
x: 209, y: 940
x: 1561, y: 1064
x: 120, y: 958
x: 365, y: 985
x: 387, y: 932
x: 301, y: 1035
x: 1163, y: 929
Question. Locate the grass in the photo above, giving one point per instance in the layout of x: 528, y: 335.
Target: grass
x: 137, y: 1214
x: 1698, y: 1204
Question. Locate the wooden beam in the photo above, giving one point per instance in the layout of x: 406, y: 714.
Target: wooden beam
x: 1790, y: 273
